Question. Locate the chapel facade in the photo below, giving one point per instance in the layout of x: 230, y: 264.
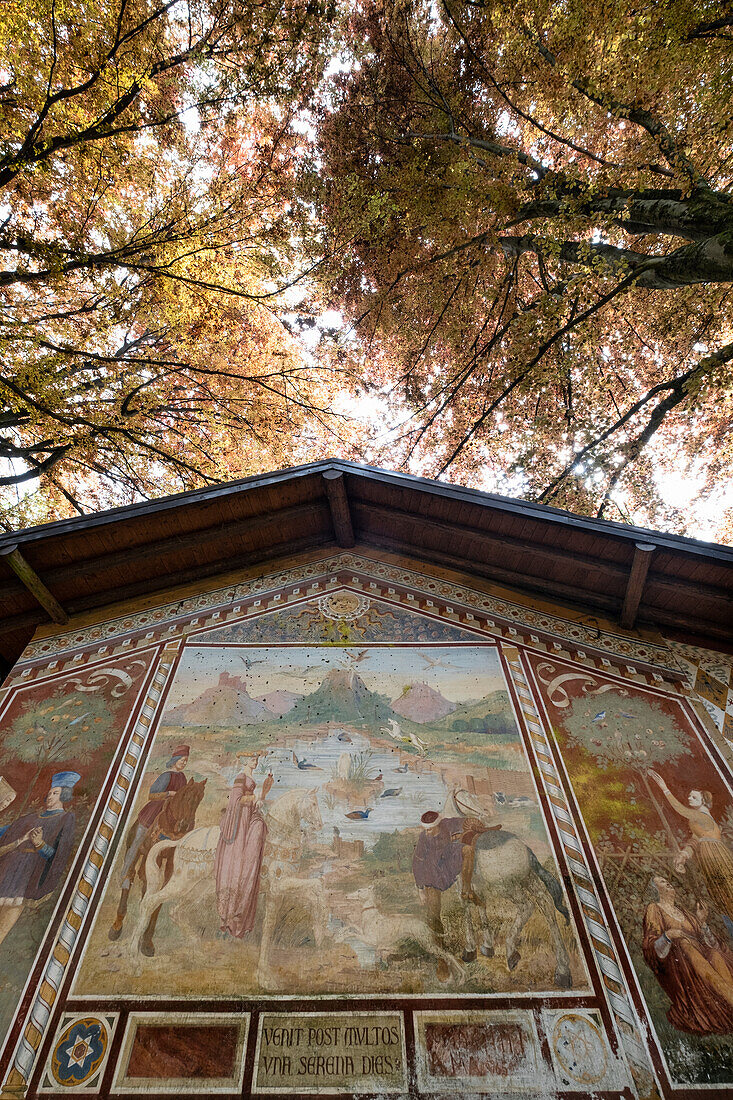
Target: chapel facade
x: 337, y: 782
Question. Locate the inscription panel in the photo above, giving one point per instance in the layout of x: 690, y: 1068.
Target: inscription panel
x: 477, y: 1051
x: 338, y: 1052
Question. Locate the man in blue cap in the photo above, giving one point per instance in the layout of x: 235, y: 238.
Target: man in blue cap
x: 34, y: 851
x: 162, y: 788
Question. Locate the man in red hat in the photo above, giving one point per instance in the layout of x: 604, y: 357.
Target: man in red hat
x: 160, y: 789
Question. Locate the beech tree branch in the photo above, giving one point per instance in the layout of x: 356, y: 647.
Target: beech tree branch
x: 678, y: 392
x: 673, y: 153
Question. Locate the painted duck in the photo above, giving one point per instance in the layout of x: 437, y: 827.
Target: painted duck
x: 392, y: 792
x: 359, y: 815
x: 304, y: 765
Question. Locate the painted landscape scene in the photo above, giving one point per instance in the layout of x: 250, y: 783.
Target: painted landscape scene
x: 334, y: 820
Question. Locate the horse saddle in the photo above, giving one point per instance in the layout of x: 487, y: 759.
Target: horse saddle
x: 473, y: 828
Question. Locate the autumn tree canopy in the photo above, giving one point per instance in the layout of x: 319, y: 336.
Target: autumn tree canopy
x: 523, y: 211
x: 146, y: 155
x: 529, y: 209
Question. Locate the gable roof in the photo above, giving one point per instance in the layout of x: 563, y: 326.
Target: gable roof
x: 673, y: 583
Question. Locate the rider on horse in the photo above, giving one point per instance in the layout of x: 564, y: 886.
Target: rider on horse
x: 161, y: 789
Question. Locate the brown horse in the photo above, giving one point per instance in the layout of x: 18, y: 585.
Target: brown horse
x: 177, y: 817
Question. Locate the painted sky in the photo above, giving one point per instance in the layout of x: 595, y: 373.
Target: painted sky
x: 461, y: 674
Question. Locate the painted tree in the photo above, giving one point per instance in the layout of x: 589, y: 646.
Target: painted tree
x: 631, y: 735
x: 529, y: 210
x: 67, y: 728
x: 145, y: 183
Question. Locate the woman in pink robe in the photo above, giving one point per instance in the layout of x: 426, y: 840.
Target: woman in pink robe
x: 238, y: 860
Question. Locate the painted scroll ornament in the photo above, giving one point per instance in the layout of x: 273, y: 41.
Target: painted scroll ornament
x: 101, y: 679
x: 556, y: 692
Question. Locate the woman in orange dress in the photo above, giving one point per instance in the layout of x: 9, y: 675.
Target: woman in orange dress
x: 711, y: 853
x: 238, y: 859
x: 692, y: 967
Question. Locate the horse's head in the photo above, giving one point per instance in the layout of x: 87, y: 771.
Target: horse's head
x: 309, y: 810
x: 184, y: 804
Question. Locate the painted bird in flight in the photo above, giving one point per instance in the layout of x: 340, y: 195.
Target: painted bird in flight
x: 600, y: 716
x: 359, y: 656
x: 249, y: 663
x: 437, y: 662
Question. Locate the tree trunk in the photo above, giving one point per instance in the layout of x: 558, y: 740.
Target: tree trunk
x: 674, y: 843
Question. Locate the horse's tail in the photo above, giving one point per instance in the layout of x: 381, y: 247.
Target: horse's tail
x: 550, y: 883
x: 154, y: 866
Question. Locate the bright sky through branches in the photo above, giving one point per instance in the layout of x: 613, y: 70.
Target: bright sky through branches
x: 485, y: 243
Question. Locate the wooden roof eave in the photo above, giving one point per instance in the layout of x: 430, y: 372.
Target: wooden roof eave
x: 681, y: 584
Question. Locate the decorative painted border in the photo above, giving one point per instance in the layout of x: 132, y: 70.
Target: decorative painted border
x: 572, y: 631
x: 187, y: 1085
x: 628, y: 1025
x: 539, y: 1082
x: 613, y: 1076
x: 47, y: 991
x: 48, y: 1084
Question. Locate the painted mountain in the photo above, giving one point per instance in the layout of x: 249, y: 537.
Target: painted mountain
x: 492, y: 716
x: 227, y: 703
x: 280, y: 702
x: 421, y: 703
x: 342, y: 697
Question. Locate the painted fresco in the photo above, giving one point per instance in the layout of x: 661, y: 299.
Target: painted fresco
x: 659, y: 815
x: 335, y: 820
x: 350, y: 829
x: 57, y: 739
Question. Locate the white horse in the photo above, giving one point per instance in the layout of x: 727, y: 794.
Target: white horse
x: 507, y: 867
x: 194, y: 864
x: 395, y: 731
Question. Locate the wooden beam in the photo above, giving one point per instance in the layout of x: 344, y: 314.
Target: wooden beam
x: 28, y: 576
x: 635, y: 585
x: 164, y: 582
x: 338, y: 502
x: 158, y: 550
x: 506, y: 548
x: 563, y: 593
x: 508, y: 555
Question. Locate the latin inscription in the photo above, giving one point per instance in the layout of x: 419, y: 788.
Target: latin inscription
x: 355, y: 1052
